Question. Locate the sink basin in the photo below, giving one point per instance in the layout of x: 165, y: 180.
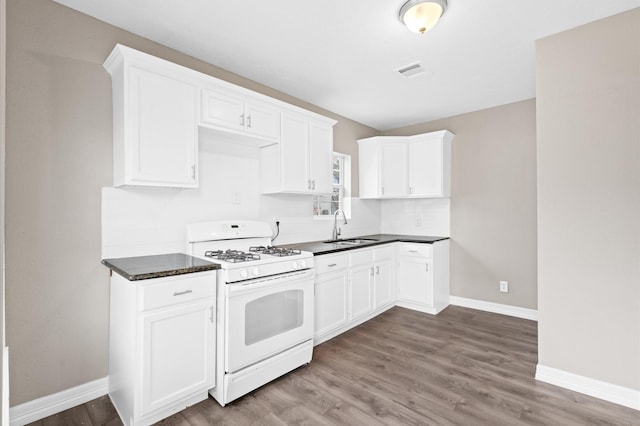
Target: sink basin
x: 352, y: 241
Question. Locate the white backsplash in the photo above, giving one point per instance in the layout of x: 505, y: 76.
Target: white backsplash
x: 429, y: 217
x: 140, y: 221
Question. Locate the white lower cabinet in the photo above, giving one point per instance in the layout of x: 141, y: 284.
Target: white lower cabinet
x: 384, y: 277
x: 162, y: 345
x: 331, y: 298
x: 423, y: 276
x: 353, y: 286
x: 331, y: 293
x: 362, y: 282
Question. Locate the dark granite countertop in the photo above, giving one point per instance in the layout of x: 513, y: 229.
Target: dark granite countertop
x: 158, y: 266
x: 320, y: 247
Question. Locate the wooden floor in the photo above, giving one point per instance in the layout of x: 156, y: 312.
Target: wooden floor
x: 462, y: 367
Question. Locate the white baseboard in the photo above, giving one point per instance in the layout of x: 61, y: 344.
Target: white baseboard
x: 48, y: 405
x: 496, y: 308
x: 5, y: 387
x: 588, y: 386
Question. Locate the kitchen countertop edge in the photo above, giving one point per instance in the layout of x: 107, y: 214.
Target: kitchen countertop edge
x: 141, y: 268
x: 320, y: 247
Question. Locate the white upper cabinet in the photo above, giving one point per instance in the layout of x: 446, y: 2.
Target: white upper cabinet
x: 301, y: 162
x: 221, y: 109
x: 393, y: 168
x: 158, y: 107
x: 406, y: 167
x: 154, y: 121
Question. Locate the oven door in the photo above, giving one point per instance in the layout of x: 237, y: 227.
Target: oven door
x: 267, y: 316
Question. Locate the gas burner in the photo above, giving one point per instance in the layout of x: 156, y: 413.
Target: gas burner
x: 275, y: 251
x: 233, y: 256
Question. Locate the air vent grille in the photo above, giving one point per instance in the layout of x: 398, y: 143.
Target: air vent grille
x: 411, y: 70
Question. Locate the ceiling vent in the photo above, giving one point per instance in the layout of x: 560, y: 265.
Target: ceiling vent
x: 411, y: 70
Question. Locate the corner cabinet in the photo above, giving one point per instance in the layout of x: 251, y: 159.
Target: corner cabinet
x: 406, y: 166
x: 301, y: 162
x: 155, y: 130
x: 161, y: 345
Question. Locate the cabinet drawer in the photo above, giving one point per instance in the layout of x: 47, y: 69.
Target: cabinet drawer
x: 330, y: 263
x: 415, y: 250
x: 176, y: 290
x: 361, y: 257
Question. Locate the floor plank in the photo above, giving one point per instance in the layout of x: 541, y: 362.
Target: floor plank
x: 461, y: 367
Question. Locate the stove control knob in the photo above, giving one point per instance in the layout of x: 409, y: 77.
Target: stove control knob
x: 294, y: 265
x: 243, y: 273
x: 255, y: 272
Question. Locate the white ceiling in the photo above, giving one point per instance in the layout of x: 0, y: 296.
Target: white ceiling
x: 342, y: 55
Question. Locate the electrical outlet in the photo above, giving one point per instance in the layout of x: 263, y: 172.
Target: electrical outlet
x: 504, y: 287
x: 419, y: 221
x: 276, y: 219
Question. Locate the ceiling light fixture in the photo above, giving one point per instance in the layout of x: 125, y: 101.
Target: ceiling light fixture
x: 422, y: 15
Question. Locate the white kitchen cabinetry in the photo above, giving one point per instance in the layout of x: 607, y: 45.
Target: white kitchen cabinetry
x: 162, y: 345
x: 154, y: 121
x: 361, y: 277
x: 331, y: 293
x: 301, y: 162
x: 423, y: 276
x: 406, y: 166
x: 240, y: 115
x: 384, y: 276
x: 372, y: 281
x: 352, y: 287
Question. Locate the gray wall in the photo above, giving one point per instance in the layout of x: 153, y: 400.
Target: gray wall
x: 588, y: 109
x: 493, y: 202
x: 59, y: 141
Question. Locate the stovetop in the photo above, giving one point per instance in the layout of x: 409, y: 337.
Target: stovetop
x: 243, y: 250
x: 236, y: 256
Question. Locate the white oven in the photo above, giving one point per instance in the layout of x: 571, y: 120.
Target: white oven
x: 267, y: 316
x: 265, y: 304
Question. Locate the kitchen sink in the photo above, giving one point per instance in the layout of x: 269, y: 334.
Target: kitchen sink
x: 352, y: 241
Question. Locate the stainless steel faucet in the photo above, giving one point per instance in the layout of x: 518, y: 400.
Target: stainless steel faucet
x: 336, y: 230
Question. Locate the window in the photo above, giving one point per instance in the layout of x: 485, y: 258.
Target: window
x: 340, y: 198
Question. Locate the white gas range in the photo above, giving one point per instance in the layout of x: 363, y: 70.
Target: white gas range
x: 265, y: 304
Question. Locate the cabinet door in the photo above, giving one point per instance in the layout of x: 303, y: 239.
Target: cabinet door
x: 384, y: 287
x: 394, y: 174
x: 262, y: 120
x: 162, y: 131
x: 425, y: 168
x: 330, y: 302
x: 415, y: 281
x: 221, y: 109
x: 178, y: 354
x: 320, y: 157
x: 295, y: 154
x: 360, y: 289
x: 368, y: 168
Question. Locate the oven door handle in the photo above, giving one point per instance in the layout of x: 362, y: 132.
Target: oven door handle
x: 273, y: 282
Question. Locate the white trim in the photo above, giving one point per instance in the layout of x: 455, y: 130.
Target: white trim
x: 5, y: 386
x: 497, y: 308
x: 588, y: 386
x: 52, y: 404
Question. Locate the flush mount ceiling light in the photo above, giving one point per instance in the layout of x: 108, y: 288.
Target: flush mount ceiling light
x: 422, y: 15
